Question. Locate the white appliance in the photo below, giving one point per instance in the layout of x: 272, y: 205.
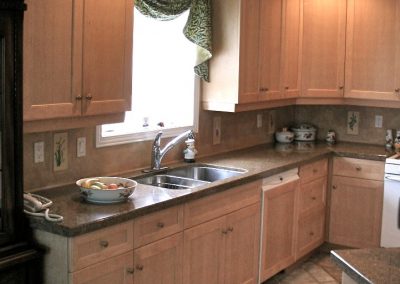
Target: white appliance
x: 390, y: 235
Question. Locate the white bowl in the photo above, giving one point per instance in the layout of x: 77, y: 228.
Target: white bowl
x: 284, y: 136
x: 107, y: 195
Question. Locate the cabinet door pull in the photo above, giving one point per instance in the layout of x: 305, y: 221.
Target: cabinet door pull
x: 104, y: 243
x: 311, y: 233
x: 334, y: 186
x: 358, y: 169
x: 224, y: 232
x: 397, y: 90
x: 160, y: 225
x: 313, y: 198
x: 89, y: 97
x: 139, y: 267
x: 130, y: 270
x: 230, y: 229
x: 341, y: 87
x: 78, y: 98
x: 287, y: 88
x: 315, y: 171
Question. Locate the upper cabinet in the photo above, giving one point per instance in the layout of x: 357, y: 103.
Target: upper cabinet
x: 323, y: 54
x: 77, y: 58
x: 373, y: 50
x: 256, y: 53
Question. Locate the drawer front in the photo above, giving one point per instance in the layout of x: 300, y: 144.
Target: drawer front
x: 100, y: 245
x: 313, y: 171
x: 118, y: 269
x: 158, y: 225
x: 310, y: 232
x: 358, y: 168
x: 219, y: 204
x: 312, y: 194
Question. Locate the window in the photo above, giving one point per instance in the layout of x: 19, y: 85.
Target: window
x: 164, y: 88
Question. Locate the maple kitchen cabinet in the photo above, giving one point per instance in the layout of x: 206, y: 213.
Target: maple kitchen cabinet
x: 323, y: 48
x: 77, y: 58
x: 256, y: 58
x: 356, y: 202
x: 373, y: 50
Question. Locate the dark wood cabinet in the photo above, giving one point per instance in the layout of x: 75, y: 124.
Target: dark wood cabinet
x: 19, y: 262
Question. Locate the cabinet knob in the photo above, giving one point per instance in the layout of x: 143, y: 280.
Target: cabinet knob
x: 315, y: 171
x: 224, y: 232
x: 139, y: 267
x: 341, y: 87
x: 104, y: 243
x: 89, y: 97
x: 160, y: 225
x: 313, y: 198
x: 281, y: 178
x: 397, y: 90
x: 334, y: 186
x: 78, y: 98
x: 358, y: 169
x: 230, y: 229
x: 264, y: 89
x: 130, y: 270
x: 311, y: 234
x: 287, y: 88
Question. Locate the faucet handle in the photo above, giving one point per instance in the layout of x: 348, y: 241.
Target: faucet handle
x: 157, y: 139
x: 191, y: 134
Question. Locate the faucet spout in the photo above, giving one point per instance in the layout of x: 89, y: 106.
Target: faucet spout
x: 157, y: 153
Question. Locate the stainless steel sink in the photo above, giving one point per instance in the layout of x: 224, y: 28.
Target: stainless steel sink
x: 205, y: 172
x: 189, y: 176
x: 170, y: 182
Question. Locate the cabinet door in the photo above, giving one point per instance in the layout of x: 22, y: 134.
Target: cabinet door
x: 242, y: 246
x: 118, y: 269
x: 249, y: 42
x: 270, y: 50
x: 51, y: 49
x: 204, y: 253
x: 291, y: 48
x: 356, y: 212
x: 323, y: 50
x: 278, y: 246
x: 160, y: 260
x: 107, y: 56
x: 373, y: 50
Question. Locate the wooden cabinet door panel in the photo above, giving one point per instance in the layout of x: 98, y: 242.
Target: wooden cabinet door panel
x: 323, y: 50
x: 204, y: 253
x: 107, y: 48
x: 249, y: 60
x: 373, y: 50
x: 270, y: 49
x: 49, y: 87
x: 356, y: 212
x: 312, y: 195
x: 278, y: 242
x: 242, y: 246
x: 160, y: 262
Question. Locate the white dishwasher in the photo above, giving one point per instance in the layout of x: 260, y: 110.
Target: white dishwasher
x: 390, y: 234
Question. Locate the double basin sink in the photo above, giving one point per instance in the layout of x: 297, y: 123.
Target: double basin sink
x: 189, y: 177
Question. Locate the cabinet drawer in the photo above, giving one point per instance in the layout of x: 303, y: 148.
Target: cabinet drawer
x: 312, y: 194
x: 313, y: 171
x: 118, y: 269
x: 100, y: 245
x: 310, y: 232
x: 219, y: 204
x: 158, y: 225
x: 358, y: 168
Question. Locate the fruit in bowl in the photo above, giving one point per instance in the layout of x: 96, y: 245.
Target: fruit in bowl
x: 106, y: 189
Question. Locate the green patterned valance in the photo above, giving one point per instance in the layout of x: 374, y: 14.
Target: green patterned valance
x: 198, y: 28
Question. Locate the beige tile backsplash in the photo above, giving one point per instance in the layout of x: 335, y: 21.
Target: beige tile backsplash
x: 237, y: 131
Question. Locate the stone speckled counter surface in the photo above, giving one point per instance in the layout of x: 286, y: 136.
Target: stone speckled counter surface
x: 376, y: 265
x: 260, y: 162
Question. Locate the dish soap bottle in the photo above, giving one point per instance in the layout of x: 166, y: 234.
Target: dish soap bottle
x: 190, y: 151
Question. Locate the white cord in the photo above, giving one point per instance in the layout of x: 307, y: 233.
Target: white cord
x: 46, y: 215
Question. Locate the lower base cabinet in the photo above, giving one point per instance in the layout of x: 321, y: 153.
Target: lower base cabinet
x: 223, y: 250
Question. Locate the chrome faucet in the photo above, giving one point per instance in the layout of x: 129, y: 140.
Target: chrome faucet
x: 157, y: 153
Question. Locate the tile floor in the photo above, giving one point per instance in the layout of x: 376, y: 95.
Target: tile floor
x: 318, y: 269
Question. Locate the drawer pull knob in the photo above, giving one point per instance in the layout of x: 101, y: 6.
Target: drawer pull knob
x: 104, y: 243
x: 287, y: 88
x: 334, y: 187
x: 311, y: 234
x: 130, y: 270
x: 224, y: 232
x: 89, y: 97
x: 315, y: 171
x: 358, y: 168
x: 139, y: 267
x: 281, y: 178
x: 341, y: 87
x: 397, y: 90
x: 313, y: 198
x: 78, y: 98
x: 230, y: 229
x: 160, y: 225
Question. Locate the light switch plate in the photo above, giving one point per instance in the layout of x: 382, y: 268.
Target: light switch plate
x: 81, y: 147
x: 38, y: 152
x: 217, y: 130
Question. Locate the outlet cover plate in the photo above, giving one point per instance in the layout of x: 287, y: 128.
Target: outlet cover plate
x: 38, y: 150
x: 81, y: 147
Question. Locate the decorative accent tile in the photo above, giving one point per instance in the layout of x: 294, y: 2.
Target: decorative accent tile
x: 353, y: 121
x: 60, y: 151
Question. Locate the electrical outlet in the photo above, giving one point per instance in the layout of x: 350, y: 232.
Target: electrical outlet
x: 38, y: 152
x: 271, y: 121
x: 81, y: 147
x: 217, y: 130
x: 378, y: 121
x: 259, y: 120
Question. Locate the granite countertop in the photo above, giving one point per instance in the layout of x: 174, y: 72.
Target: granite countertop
x: 260, y: 161
x: 375, y: 265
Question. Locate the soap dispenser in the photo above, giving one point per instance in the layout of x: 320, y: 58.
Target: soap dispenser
x: 190, y: 151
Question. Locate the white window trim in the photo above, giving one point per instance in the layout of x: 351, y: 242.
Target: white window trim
x: 149, y: 135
